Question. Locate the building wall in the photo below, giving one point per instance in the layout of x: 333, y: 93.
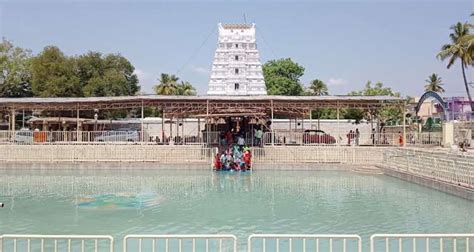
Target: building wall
x: 189, y: 126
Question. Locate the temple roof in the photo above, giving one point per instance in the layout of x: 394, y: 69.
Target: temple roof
x: 193, y: 105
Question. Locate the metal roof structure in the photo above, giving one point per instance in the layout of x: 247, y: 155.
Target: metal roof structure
x: 192, y: 105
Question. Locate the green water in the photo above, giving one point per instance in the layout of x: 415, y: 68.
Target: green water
x: 204, y: 202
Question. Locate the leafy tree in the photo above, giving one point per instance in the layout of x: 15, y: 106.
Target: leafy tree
x: 318, y: 88
x: 435, y: 84
x: 185, y: 88
x: 111, y: 75
x: 282, y: 77
x: 383, y: 114
x: 457, y: 50
x: 14, y: 71
x: 168, y: 84
x: 53, y: 75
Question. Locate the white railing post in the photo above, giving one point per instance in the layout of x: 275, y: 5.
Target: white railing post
x: 419, y: 237
x: 220, y: 238
x: 291, y: 238
x: 18, y: 238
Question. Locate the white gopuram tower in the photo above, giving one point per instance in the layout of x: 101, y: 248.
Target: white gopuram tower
x: 236, y: 69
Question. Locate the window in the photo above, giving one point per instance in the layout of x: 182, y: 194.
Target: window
x: 236, y: 45
x: 236, y: 71
x: 236, y: 57
x: 236, y: 86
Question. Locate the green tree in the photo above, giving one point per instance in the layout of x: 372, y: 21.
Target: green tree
x: 318, y: 88
x: 435, y: 84
x: 14, y: 71
x: 168, y: 84
x: 383, y: 114
x: 282, y: 77
x: 53, y: 75
x: 111, y: 75
x: 185, y: 88
x: 457, y: 50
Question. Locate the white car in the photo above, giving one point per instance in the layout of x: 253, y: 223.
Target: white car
x: 118, y: 136
x: 24, y: 136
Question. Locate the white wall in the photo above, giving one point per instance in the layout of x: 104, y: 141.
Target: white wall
x: 153, y: 126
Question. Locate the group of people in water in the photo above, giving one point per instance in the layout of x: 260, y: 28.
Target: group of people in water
x: 234, y: 154
x: 234, y: 158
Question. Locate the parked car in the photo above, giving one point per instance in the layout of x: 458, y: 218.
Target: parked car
x: 317, y: 137
x: 118, y: 136
x: 24, y: 136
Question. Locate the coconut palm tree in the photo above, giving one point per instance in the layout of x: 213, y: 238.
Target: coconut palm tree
x: 168, y: 84
x: 185, y: 88
x: 435, y: 84
x: 318, y: 88
x: 458, y: 51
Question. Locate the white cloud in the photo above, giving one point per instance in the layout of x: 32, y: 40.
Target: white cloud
x: 147, y: 80
x: 142, y: 75
x: 336, y: 82
x: 200, y: 70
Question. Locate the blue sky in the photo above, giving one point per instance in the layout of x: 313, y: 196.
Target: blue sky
x: 344, y: 43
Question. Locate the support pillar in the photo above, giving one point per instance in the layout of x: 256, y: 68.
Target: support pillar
x: 171, y: 129
x: 199, y: 130
x: 162, y: 126
x: 338, y: 128
x: 141, y: 125
x: 207, y: 123
x: 78, y: 136
x: 404, y: 124
x: 177, y: 129
x: 13, y: 122
x: 271, y: 125
x: 9, y: 123
x: 311, y: 119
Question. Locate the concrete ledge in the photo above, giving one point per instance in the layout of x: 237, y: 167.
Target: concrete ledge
x: 304, y: 166
x: 460, y: 191
x: 66, y: 165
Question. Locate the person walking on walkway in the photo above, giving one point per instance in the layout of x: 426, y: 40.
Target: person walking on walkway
x: 357, y: 137
x: 258, y: 137
x: 372, y: 136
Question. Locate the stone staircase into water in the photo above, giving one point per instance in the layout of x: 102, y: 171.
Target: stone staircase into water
x: 367, y: 169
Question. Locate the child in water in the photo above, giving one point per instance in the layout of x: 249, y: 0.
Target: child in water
x: 217, y: 162
x: 247, y: 157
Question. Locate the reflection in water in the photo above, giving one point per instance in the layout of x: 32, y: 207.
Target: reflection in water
x: 119, y: 201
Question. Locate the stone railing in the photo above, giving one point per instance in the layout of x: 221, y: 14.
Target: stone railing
x: 105, y: 153
x: 318, y: 154
x: 439, y: 165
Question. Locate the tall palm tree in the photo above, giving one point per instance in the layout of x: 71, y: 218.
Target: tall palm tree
x: 318, y: 88
x: 458, y: 51
x: 185, y: 88
x: 168, y: 84
x: 435, y: 84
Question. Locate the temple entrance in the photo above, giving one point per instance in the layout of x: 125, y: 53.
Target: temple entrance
x: 229, y: 128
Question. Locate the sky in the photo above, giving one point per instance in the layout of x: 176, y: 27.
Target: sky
x: 343, y: 43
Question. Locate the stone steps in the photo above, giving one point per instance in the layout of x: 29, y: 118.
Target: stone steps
x: 367, y: 170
